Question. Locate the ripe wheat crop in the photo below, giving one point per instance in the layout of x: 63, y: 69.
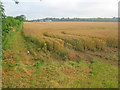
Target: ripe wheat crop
x: 78, y: 35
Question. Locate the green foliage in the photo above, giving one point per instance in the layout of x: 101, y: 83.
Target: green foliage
x: 74, y: 64
x: 103, y: 74
x: 62, y: 52
x: 107, y: 57
x: 7, y: 39
x: 65, y: 58
x: 21, y: 18
x: 11, y: 21
x: 8, y: 23
x: 11, y: 66
x: 2, y: 10
x: 37, y: 64
x: 93, y: 60
x: 34, y: 45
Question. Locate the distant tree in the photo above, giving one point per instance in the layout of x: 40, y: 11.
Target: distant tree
x: 16, y: 1
x: 21, y: 18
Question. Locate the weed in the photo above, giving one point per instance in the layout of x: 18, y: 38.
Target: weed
x: 11, y: 66
x: 74, y: 64
x: 65, y: 58
x: 93, y: 60
x: 107, y: 57
x: 62, y: 52
x: 37, y: 64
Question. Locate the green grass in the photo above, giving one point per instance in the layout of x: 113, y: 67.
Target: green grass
x: 10, y: 38
x: 69, y: 74
x: 103, y: 75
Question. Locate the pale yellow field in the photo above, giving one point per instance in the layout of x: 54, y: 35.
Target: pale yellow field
x: 93, y: 34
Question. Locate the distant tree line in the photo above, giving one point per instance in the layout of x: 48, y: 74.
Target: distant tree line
x: 114, y: 19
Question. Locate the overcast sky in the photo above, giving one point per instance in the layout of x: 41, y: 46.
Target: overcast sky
x: 34, y: 9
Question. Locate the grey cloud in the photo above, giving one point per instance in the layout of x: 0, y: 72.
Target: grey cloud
x: 63, y: 8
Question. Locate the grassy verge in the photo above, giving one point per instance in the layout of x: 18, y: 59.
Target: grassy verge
x: 6, y: 41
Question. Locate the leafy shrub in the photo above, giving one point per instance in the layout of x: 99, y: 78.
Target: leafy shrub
x: 8, y: 23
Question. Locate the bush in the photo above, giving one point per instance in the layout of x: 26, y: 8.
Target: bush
x: 8, y: 24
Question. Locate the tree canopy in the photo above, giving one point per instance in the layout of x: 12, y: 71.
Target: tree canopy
x: 16, y: 1
x: 21, y: 18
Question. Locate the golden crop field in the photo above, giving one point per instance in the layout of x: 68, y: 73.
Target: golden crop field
x: 78, y: 35
x: 61, y: 55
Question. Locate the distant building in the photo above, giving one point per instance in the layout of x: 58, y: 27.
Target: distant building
x: 48, y: 20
